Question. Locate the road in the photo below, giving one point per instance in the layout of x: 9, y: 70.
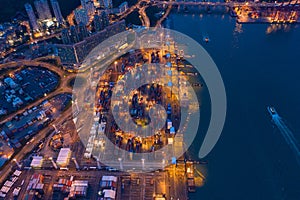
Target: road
x: 144, y: 18
x: 134, y: 186
x: 158, y: 24
x: 177, y: 181
x: 63, y: 86
x: 28, y: 43
x: 229, y: 4
x: 146, y: 22
x: 28, y: 148
x: 130, y: 10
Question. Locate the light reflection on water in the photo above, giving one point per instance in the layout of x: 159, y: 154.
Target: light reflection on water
x: 259, y: 65
x: 273, y: 28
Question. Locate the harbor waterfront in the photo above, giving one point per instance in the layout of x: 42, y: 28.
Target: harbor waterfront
x: 258, y: 66
x: 56, y: 143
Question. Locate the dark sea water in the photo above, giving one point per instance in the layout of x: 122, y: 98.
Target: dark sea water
x: 251, y: 159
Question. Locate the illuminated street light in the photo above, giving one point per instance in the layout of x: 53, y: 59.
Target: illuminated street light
x: 143, y: 163
x: 76, y: 163
x: 163, y: 163
x: 116, y: 62
x: 98, y: 163
x: 53, y: 163
x: 19, y: 165
x: 121, y: 164
x: 76, y: 104
x: 161, y: 37
x: 55, y: 131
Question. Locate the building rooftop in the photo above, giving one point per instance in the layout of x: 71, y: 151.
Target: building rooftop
x: 37, y: 161
x: 64, y: 156
x: 109, y: 194
x: 109, y: 178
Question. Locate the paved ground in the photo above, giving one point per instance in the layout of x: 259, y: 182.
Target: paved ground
x: 134, y: 186
x: 62, y: 87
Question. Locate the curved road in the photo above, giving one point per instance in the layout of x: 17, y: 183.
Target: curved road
x: 145, y: 18
x: 158, y: 24
x: 63, y: 86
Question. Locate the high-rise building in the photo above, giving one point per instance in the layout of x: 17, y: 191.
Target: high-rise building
x: 104, y: 18
x: 71, y: 54
x: 81, y: 16
x: 74, y: 34
x: 83, y: 3
x: 123, y: 7
x: 106, y: 3
x: 82, y: 31
x: 32, y: 17
x: 42, y: 7
x: 65, y: 36
x: 101, y: 20
x: 89, y: 6
x: 98, y: 25
x: 56, y: 11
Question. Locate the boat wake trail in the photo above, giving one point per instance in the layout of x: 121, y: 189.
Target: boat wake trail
x: 286, y: 133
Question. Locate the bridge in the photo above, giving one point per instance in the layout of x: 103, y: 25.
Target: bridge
x: 290, y: 6
x: 294, y: 4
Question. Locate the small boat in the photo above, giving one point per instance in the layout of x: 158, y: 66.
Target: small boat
x: 206, y: 39
x: 272, y: 111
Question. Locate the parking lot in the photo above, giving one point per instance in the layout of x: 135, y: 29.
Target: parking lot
x: 21, y: 87
x: 25, y: 125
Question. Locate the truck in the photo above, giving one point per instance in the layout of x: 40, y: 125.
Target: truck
x: 16, y: 191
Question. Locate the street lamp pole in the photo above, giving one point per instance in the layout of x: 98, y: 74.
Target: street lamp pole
x: 116, y: 67
x: 19, y: 165
x: 143, y: 163
x: 163, y: 163
x: 76, y: 163
x: 98, y: 164
x: 55, y: 128
x: 121, y: 164
x: 53, y: 163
